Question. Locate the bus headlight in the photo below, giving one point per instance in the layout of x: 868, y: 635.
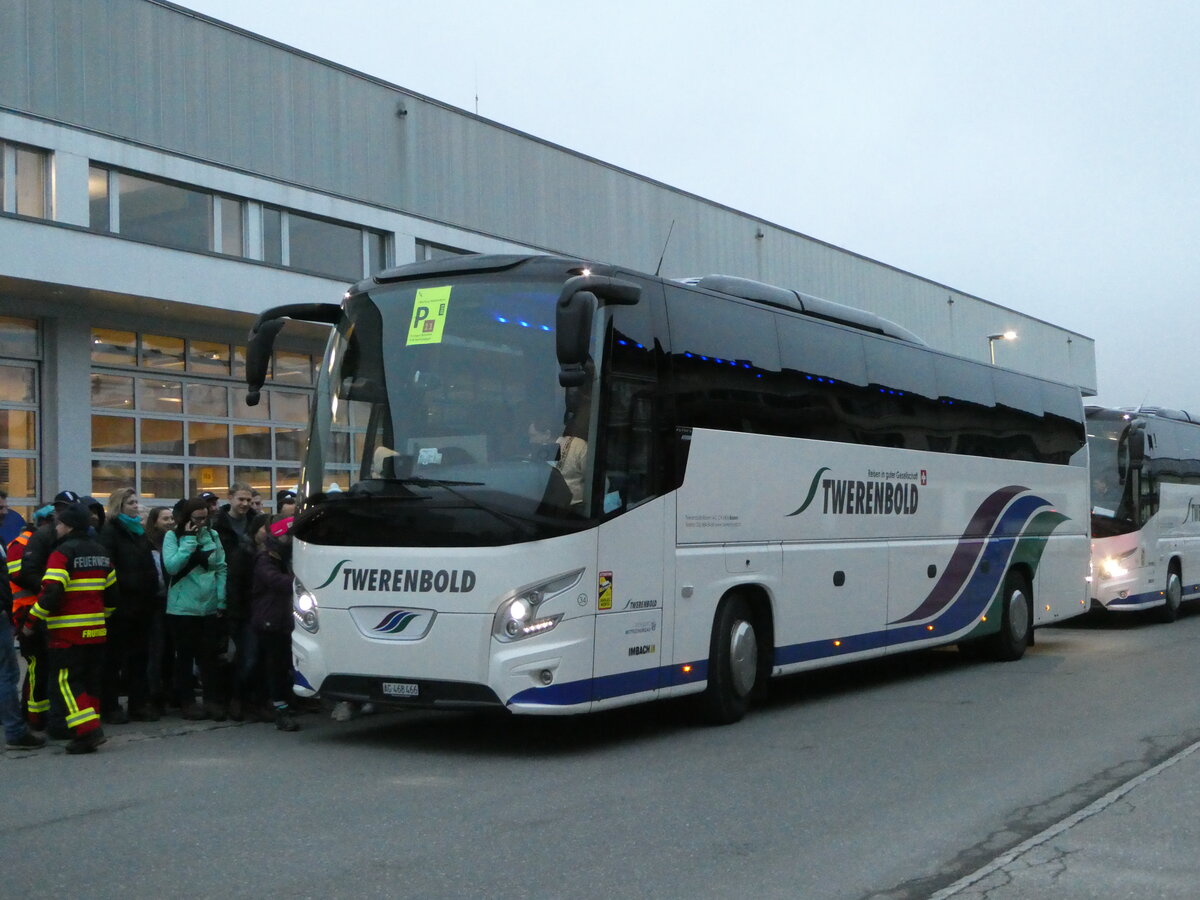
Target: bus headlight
x: 304, y: 607
x: 520, y: 616
x: 1114, y: 566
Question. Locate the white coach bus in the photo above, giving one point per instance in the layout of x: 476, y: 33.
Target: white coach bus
x: 1145, y: 466
x: 555, y: 487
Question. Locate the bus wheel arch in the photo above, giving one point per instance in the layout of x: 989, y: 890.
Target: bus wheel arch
x: 1016, y: 617
x: 1172, y: 594
x: 739, y: 658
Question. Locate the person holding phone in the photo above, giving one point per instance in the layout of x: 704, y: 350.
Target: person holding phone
x: 193, y: 557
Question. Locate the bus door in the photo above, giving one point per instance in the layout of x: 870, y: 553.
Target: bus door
x: 633, y: 581
x: 631, y: 589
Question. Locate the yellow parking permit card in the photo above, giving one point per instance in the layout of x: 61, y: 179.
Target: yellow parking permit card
x: 429, y: 316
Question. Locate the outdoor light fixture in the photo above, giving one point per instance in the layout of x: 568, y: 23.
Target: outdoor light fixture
x: 992, y: 338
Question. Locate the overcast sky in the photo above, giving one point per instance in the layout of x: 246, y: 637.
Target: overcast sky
x: 1041, y: 154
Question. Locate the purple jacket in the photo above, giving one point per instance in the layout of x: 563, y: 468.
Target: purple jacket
x: 271, y: 595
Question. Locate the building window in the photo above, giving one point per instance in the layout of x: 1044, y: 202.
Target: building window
x: 19, y: 459
x: 323, y: 246
x: 429, y: 250
x: 169, y: 417
x: 164, y: 212
x: 23, y: 180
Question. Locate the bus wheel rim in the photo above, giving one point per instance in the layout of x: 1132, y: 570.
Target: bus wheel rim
x: 743, y: 657
x: 1018, y: 614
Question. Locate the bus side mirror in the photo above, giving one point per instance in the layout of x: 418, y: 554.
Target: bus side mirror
x: 258, y: 357
x: 573, y: 332
x: 262, y: 338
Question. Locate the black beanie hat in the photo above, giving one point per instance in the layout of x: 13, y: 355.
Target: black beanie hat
x: 76, y: 516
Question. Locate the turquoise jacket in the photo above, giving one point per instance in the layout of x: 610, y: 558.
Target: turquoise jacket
x: 200, y: 590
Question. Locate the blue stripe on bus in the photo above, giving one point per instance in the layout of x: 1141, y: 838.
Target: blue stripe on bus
x: 573, y: 693
x: 1190, y: 592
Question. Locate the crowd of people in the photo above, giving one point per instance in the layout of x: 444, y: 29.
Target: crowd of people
x: 184, y: 610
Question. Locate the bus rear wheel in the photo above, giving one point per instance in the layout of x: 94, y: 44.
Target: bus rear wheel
x: 1172, y: 596
x: 1016, y: 620
x: 733, y: 669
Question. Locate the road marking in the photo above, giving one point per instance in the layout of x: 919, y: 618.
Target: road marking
x: 1096, y: 806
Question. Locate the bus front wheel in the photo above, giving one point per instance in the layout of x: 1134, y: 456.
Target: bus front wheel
x: 1172, y: 597
x: 732, y: 664
x: 1016, y: 620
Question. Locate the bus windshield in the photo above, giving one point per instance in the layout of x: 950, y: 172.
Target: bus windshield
x: 440, y: 416
x: 1108, y: 450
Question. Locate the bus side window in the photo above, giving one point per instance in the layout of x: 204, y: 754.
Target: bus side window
x: 630, y: 423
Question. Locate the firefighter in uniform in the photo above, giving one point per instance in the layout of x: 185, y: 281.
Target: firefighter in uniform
x: 78, y: 590
x: 33, y: 692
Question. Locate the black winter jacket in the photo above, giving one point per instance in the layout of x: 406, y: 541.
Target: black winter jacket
x: 137, y: 577
x: 33, y: 561
x: 239, y: 557
x: 271, y: 606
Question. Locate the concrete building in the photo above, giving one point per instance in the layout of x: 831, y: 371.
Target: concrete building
x: 166, y: 176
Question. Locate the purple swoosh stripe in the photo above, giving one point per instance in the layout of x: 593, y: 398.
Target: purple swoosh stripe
x: 965, y: 554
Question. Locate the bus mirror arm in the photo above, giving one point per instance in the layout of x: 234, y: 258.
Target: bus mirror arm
x: 573, y: 336
x: 261, y: 340
x: 1137, y: 448
x: 577, y: 303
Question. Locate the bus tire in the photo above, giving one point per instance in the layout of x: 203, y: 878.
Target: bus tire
x: 1016, y: 620
x: 1172, y: 597
x: 733, y: 669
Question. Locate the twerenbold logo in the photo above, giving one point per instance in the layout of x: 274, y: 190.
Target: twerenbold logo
x: 395, y: 621
x: 332, y: 575
x: 812, y: 492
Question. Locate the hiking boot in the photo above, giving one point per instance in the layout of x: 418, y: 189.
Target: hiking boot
x: 27, y: 741
x: 284, y: 721
x: 115, y: 716
x: 86, y: 743
x: 145, y: 713
x: 215, y: 711
x: 192, y: 712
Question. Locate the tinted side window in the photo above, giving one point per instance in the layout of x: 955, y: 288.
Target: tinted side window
x: 724, y: 363
x: 633, y: 418
x: 823, y: 381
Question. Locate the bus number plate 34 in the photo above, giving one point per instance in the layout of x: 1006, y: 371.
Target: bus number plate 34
x: 400, y: 689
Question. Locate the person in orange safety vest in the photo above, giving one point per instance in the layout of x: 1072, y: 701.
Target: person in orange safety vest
x: 34, y: 694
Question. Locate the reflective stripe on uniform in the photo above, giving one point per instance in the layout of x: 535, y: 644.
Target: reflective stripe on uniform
x: 34, y: 705
x: 59, y: 575
x: 80, y: 620
x: 87, y: 584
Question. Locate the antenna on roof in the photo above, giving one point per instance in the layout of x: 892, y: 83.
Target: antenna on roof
x: 664, y: 253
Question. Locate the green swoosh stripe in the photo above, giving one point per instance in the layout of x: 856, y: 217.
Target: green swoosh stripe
x: 332, y: 575
x: 812, y: 492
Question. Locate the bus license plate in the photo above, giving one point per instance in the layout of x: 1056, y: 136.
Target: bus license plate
x: 400, y: 689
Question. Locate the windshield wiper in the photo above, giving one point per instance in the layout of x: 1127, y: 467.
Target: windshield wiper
x: 434, y: 482
x: 450, y: 486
